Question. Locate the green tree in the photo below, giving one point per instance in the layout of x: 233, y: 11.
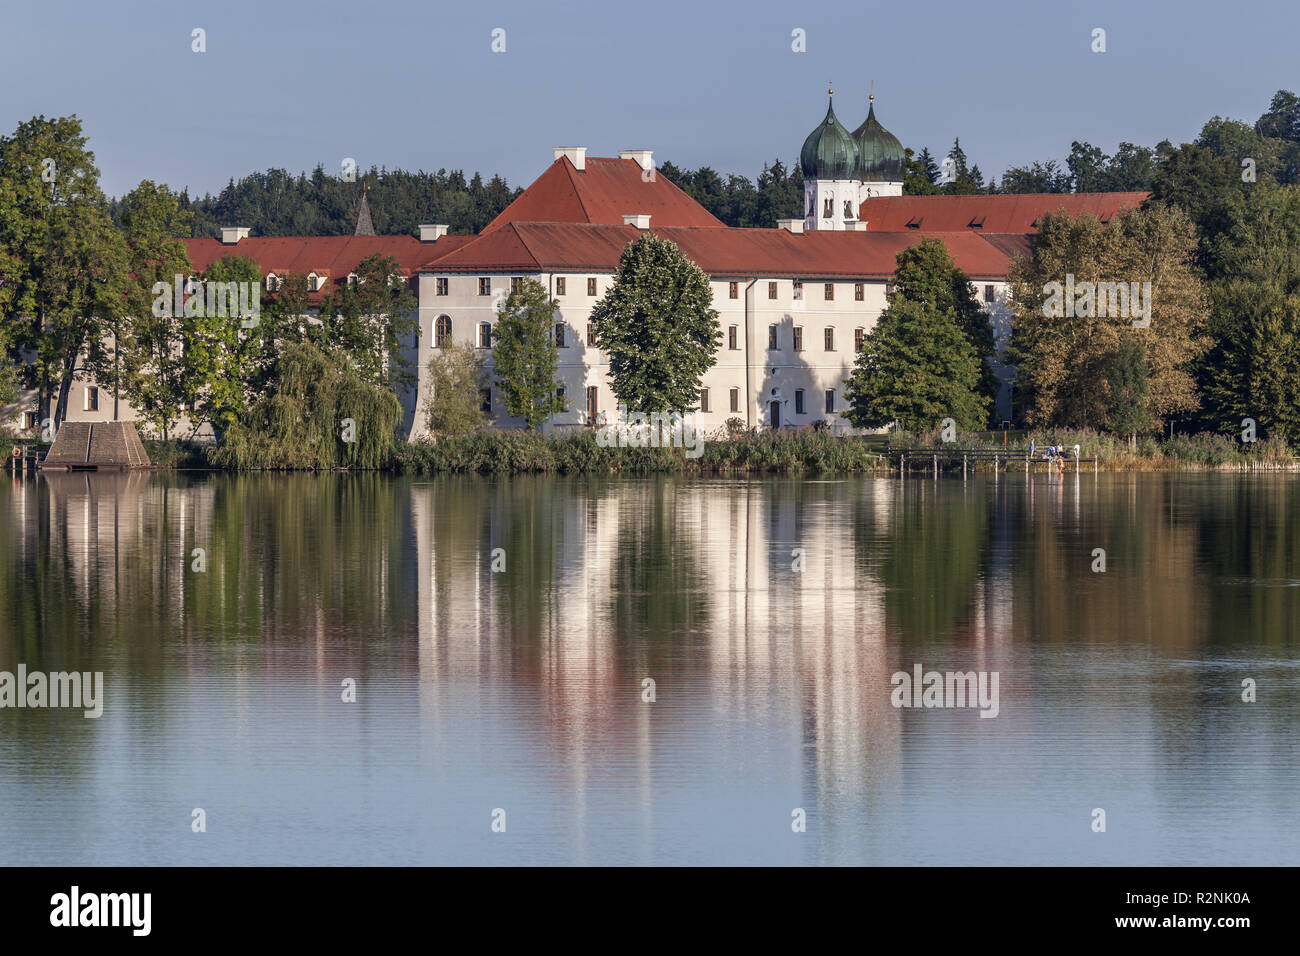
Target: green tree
x: 1128, y: 391
x: 1038, y: 178
x: 1253, y: 370
x: 371, y: 319
x: 1062, y: 359
x: 658, y: 327
x: 66, y: 263
x: 920, y: 174
x: 916, y: 368
x: 223, y: 360
x: 920, y: 364
x: 148, y: 346
x: 525, y: 354
x: 454, y: 405
x: 926, y: 274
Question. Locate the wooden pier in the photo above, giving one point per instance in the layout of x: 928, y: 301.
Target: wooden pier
x: 1002, y: 460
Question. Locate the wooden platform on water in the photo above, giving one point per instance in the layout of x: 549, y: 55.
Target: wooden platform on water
x: 96, y: 446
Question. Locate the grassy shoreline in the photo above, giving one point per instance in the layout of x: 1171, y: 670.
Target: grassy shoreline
x: 802, y: 452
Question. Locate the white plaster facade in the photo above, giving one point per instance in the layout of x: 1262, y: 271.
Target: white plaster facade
x: 803, y: 378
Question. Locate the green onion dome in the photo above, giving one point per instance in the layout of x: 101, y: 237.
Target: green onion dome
x: 829, y: 152
x: 880, y: 154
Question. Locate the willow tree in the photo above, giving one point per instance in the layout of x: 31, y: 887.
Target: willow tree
x: 321, y: 414
x: 658, y: 326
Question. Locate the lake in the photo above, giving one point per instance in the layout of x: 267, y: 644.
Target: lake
x: 360, y: 669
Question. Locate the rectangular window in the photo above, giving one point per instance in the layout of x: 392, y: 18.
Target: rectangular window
x: 29, y: 420
x: 442, y: 286
x: 988, y: 294
x: 704, y: 399
x: 798, y: 289
x: 591, y: 334
x: 733, y: 290
x: 591, y: 287
x: 828, y: 208
x: 735, y: 399
x: 593, y: 406
x: 731, y: 337
x: 859, y: 339
x: 829, y: 292
x: 559, y: 286
x: 559, y: 335
x: 771, y: 290
x: 515, y: 283
x: 798, y: 401
x: 485, y: 335
x: 559, y: 394
x: 771, y: 338
x: 484, y: 286
x: 829, y: 339
x: 485, y: 400
x: 92, y: 398
x: 889, y: 288
x: 798, y: 338
x: 859, y: 291
x: 830, y: 400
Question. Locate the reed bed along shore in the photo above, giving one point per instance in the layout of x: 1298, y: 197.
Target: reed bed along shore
x: 785, y: 452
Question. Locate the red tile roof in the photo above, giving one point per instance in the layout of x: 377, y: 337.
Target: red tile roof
x: 1015, y: 213
x: 328, y: 256
x: 602, y: 194
x: 572, y: 247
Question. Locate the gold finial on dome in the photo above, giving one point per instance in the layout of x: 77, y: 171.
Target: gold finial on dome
x: 830, y: 87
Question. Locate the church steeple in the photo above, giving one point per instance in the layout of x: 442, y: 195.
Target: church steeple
x: 364, y: 226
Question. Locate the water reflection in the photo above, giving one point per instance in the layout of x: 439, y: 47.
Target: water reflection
x: 502, y: 635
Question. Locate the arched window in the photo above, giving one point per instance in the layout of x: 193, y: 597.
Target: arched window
x: 441, y: 331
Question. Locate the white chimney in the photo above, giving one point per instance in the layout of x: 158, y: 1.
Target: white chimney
x: 644, y: 157
x: 432, y: 233
x: 639, y: 219
x: 232, y: 234
x: 577, y: 155
x: 791, y: 225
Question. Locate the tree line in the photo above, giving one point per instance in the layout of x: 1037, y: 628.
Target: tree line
x: 1184, y: 313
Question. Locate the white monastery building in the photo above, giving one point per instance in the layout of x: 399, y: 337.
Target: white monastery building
x: 794, y: 302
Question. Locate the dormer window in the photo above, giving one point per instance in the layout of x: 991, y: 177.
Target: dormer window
x: 976, y: 223
x: 352, y: 279
x: 914, y: 222
x: 313, y: 282
x: 272, y: 282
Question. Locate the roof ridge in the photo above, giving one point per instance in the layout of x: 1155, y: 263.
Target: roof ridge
x: 570, y: 170
x: 524, y: 242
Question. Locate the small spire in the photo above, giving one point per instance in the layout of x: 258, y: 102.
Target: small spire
x: 830, y: 87
x: 364, y: 226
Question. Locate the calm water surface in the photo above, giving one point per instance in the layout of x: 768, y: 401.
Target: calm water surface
x: 522, y: 689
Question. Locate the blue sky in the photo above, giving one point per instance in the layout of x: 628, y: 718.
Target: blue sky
x: 416, y: 85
